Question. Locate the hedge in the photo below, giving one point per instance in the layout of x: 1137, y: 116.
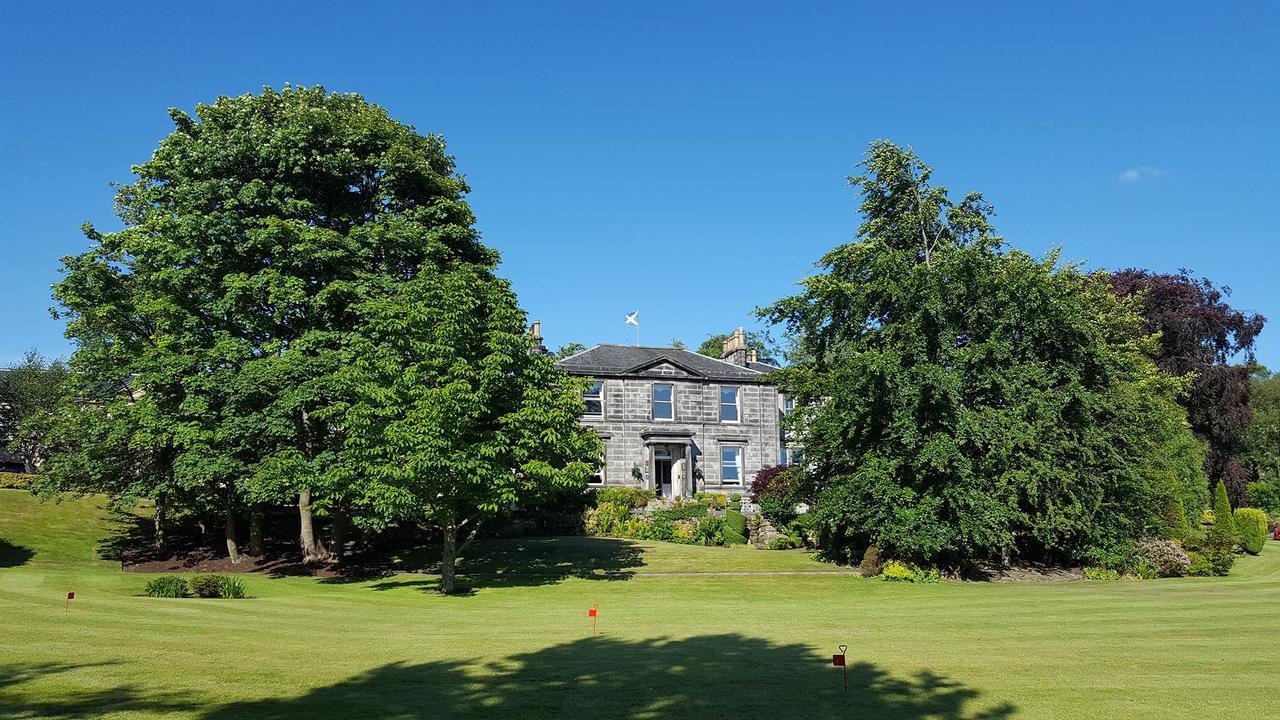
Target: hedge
x: 735, y: 527
x: 1251, y: 529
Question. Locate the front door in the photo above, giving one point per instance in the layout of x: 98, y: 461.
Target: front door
x: 662, y: 471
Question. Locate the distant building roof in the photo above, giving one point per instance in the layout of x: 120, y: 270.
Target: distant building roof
x: 634, y: 360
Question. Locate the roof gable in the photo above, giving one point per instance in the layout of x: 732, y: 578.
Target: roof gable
x: 632, y: 360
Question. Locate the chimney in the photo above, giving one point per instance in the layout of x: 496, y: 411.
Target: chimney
x: 735, y: 348
x: 752, y: 357
x: 535, y: 332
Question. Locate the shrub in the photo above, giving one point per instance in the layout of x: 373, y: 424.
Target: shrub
x: 896, y: 571
x: 715, y: 501
x: 1224, y: 528
x: 1100, y: 573
x: 1221, y: 559
x: 1200, y: 565
x: 870, y: 566
x: 15, y: 481
x: 1251, y: 529
x: 206, y: 586
x: 735, y: 527
x: 1273, y: 522
x: 1142, y: 570
x: 735, y: 497
x: 166, y: 586
x: 1265, y: 494
x: 773, y: 490
x: 663, y: 530
x: 709, y: 530
x: 683, y: 511
x: 230, y: 588
x: 1176, y: 523
x: 1164, y: 557
x: 602, y: 519
x: 630, y: 497
x: 684, y: 532
x: 783, y: 542
x: 1206, y: 517
x: 632, y: 528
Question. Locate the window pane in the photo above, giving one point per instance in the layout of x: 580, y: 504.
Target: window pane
x: 594, y: 407
x: 662, y: 405
x: 729, y: 470
x: 729, y: 404
x: 596, y: 388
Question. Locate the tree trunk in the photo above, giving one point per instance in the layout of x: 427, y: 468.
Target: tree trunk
x: 338, y: 534
x: 159, y: 521
x: 312, y: 549
x: 255, y: 531
x: 233, y: 550
x: 448, y: 557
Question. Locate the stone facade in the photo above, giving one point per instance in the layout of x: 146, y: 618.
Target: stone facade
x: 639, y: 439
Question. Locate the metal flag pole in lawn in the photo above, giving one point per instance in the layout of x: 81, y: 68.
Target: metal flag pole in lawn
x: 71, y: 595
x: 591, y: 613
x: 838, y: 661
x: 634, y: 319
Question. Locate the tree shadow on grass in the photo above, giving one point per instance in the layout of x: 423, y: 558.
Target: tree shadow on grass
x: 19, y: 701
x: 14, y: 555
x: 525, y: 562
x: 705, y: 677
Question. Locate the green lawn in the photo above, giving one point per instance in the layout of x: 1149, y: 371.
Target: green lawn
x: 709, y: 646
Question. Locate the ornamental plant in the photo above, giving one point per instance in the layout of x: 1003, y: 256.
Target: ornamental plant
x: 1251, y: 529
x: 1223, y: 532
x: 1165, y: 557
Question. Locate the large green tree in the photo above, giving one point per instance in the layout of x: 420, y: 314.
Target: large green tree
x: 958, y: 399
x: 456, y: 416
x: 1210, y: 343
x: 31, y: 387
x: 250, y: 236
x: 1261, y: 449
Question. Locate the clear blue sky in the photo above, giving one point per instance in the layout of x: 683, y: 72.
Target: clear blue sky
x: 688, y: 160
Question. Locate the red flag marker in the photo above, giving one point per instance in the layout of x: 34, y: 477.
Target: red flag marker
x: 838, y: 661
x: 591, y: 613
x: 70, y: 596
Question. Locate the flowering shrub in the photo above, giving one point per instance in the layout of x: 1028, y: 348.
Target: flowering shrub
x: 1164, y: 557
x: 896, y: 571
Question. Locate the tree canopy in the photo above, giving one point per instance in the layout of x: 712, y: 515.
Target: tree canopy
x: 1260, y: 450
x: 713, y: 346
x: 959, y: 399
x: 1202, y: 337
x: 30, y: 388
x: 226, y: 315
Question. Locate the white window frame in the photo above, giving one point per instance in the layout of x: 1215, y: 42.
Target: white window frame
x: 653, y: 402
x: 601, y: 477
x: 737, y: 403
x: 739, y: 464
x: 586, y: 395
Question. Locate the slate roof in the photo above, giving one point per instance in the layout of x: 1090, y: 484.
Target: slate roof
x: 632, y: 359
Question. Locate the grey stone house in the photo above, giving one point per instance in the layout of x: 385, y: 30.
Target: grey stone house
x: 679, y: 422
